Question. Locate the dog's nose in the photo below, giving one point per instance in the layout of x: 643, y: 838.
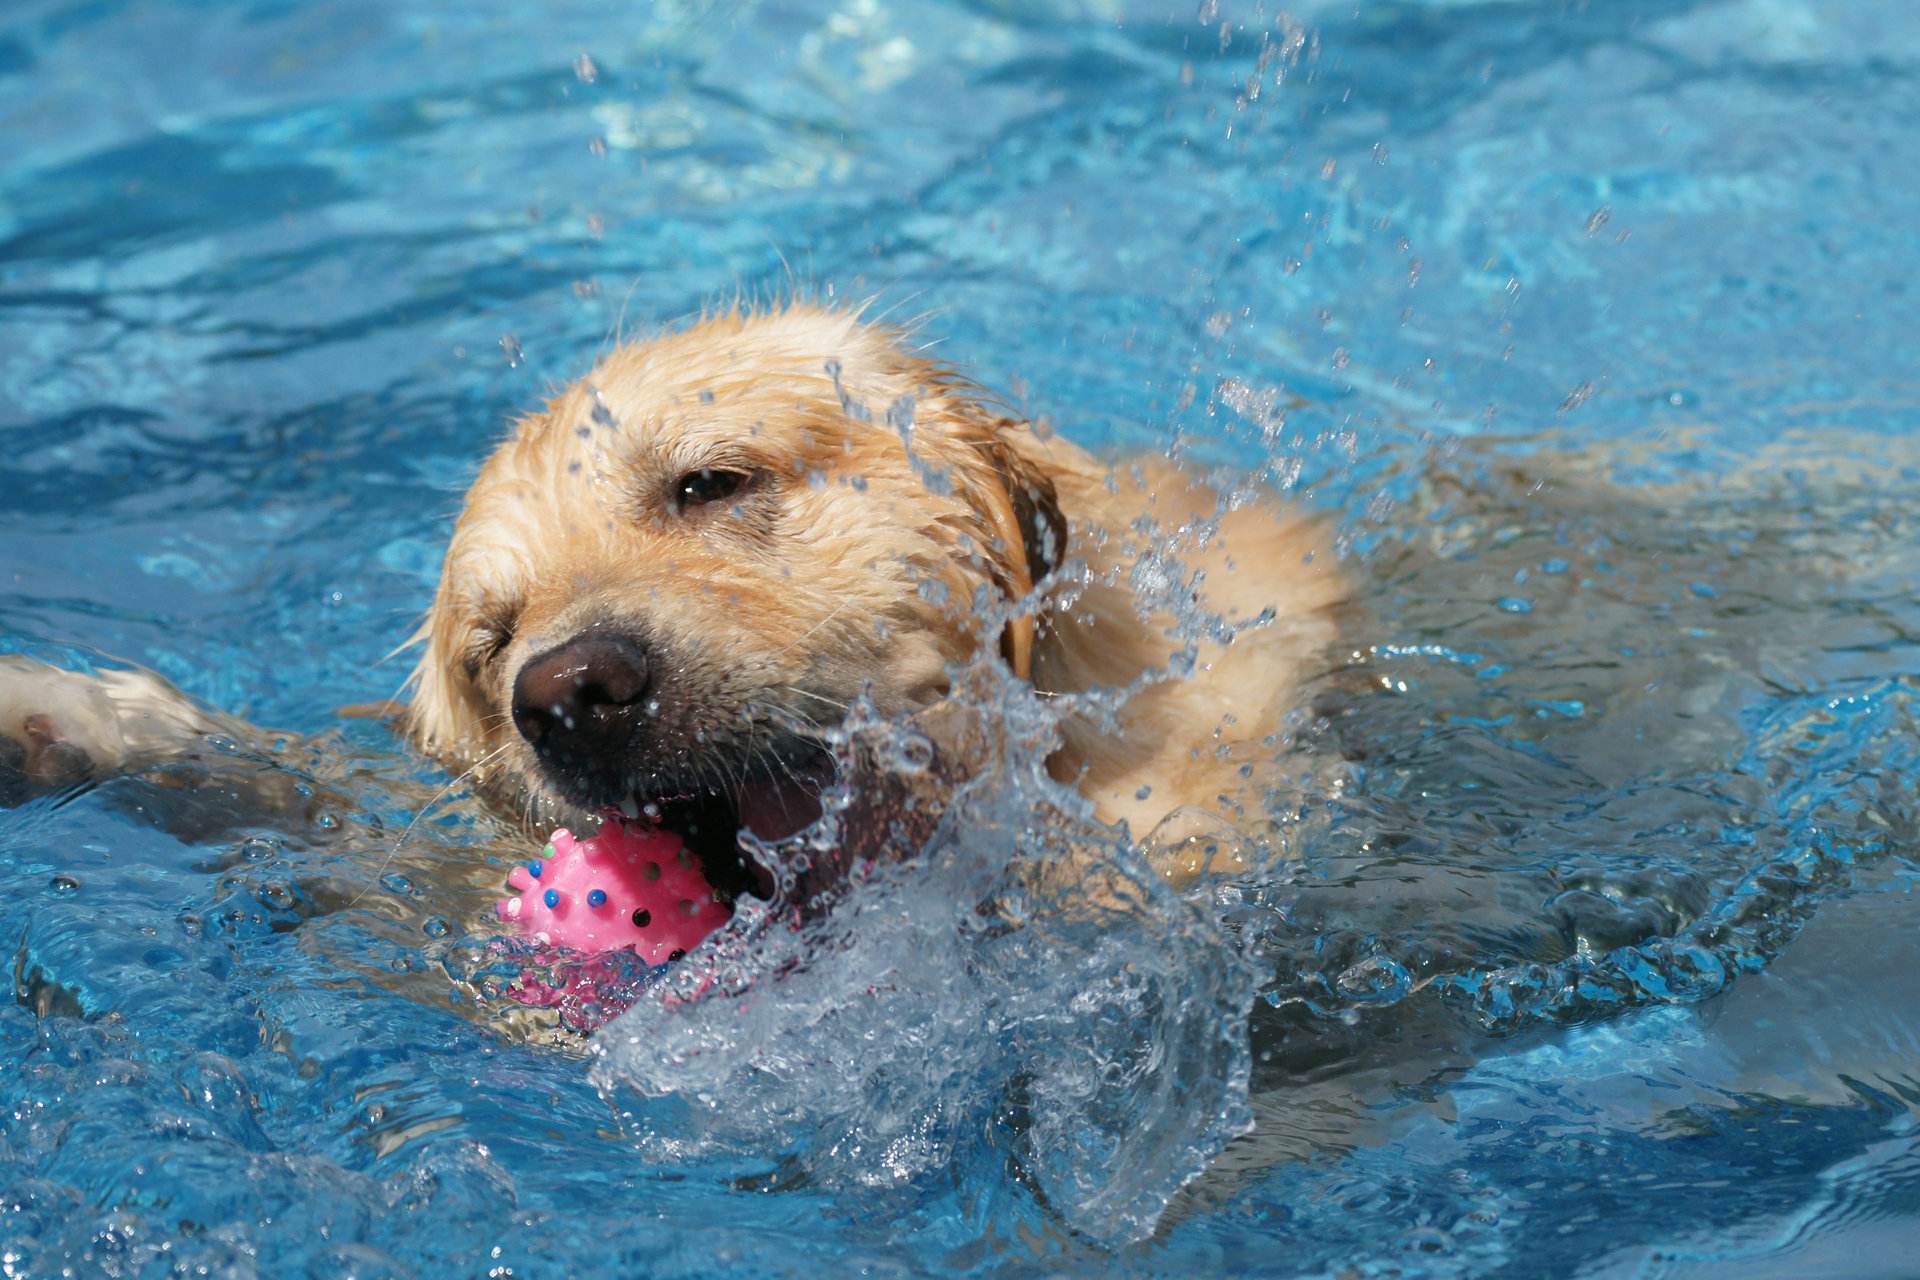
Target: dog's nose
x: 583, y: 698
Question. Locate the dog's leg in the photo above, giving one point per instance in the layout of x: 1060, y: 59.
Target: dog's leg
x: 188, y: 770
x: 62, y: 728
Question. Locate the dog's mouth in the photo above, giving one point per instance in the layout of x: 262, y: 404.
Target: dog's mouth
x: 772, y: 804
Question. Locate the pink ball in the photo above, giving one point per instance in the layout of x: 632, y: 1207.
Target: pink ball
x: 629, y: 886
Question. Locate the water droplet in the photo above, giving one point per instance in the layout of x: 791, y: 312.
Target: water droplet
x: 584, y: 69
x: 1599, y: 219
x: 910, y: 752
x: 436, y: 927
x: 601, y: 415
x: 1515, y: 604
x: 63, y: 883
x: 511, y: 346
x: 1374, y: 980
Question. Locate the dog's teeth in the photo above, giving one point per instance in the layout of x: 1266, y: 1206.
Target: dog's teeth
x: 631, y: 808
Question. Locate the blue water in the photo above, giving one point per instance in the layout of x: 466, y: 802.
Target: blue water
x: 1592, y: 322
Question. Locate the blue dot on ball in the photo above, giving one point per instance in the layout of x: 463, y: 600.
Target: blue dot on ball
x: 535, y: 868
x: 552, y: 898
x: 597, y: 898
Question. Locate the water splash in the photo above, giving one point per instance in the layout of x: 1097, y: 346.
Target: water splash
x: 1088, y: 1026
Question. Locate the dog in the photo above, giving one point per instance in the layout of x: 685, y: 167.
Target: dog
x: 665, y: 585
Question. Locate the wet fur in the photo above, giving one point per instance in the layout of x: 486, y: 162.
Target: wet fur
x: 815, y: 590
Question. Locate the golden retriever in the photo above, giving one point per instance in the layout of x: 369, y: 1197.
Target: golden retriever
x: 725, y: 535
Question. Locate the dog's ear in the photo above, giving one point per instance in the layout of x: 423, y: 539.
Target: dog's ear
x: 1023, y: 509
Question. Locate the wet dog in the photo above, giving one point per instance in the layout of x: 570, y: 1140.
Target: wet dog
x: 668, y: 583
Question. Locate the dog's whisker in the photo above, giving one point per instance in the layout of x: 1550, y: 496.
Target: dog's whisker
x: 787, y: 768
x: 771, y: 711
x: 818, y: 697
x: 471, y: 771
x: 753, y: 728
x: 810, y: 632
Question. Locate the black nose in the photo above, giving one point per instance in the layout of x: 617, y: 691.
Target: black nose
x: 583, y: 698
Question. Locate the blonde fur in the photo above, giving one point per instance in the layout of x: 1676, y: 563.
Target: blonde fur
x: 891, y: 510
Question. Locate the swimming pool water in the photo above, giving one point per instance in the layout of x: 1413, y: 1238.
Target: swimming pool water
x: 1590, y: 321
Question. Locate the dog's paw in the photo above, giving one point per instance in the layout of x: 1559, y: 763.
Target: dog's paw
x: 57, y: 730
x: 39, y: 759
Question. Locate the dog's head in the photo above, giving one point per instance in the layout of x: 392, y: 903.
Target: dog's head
x: 713, y: 541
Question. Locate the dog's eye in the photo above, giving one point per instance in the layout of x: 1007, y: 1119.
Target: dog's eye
x: 698, y: 488
x: 490, y: 639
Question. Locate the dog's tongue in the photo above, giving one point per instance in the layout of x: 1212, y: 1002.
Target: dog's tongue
x: 774, y: 810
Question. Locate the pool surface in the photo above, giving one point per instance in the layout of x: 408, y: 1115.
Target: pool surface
x: 1593, y: 325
